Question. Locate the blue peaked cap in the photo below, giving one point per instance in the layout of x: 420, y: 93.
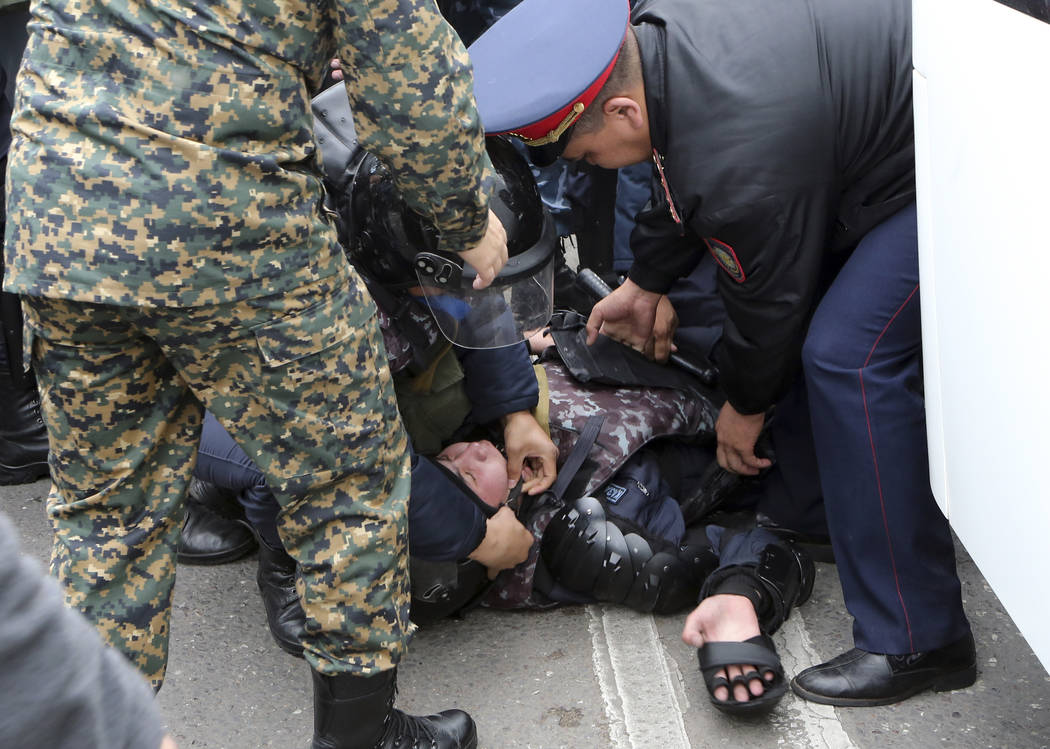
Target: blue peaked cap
x: 538, y: 66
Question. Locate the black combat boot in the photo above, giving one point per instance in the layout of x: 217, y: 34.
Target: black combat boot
x: 357, y: 712
x: 284, y: 611
x: 23, y: 437
x: 210, y: 535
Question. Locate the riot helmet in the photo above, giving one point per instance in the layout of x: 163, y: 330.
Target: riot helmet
x: 399, y: 249
x: 442, y: 587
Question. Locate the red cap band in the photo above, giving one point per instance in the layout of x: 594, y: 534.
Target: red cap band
x: 564, y: 117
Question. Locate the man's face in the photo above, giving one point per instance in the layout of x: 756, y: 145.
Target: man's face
x: 617, y: 143
x: 482, y: 468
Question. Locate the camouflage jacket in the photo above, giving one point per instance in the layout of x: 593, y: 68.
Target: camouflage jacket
x: 163, y: 151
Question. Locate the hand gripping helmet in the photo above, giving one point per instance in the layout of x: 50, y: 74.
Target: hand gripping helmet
x: 397, y: 248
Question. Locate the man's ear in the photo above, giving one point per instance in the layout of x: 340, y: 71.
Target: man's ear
x: 626, y: 107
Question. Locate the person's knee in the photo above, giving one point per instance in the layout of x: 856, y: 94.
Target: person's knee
x: 822, y: 352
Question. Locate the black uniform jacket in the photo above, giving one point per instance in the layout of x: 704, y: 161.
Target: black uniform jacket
x: 783, y: 130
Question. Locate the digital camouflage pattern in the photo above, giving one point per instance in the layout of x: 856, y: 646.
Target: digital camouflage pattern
x: 165, y: 225
x: 163, y: 151
x: 301, y: 384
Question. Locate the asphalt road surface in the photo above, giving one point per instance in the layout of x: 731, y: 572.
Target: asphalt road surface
x: 583, y: 677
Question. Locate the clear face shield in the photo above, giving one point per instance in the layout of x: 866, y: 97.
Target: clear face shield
x: 519, y: 302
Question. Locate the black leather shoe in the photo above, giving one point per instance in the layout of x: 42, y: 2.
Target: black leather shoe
x: 862, y: 679
x: 284, y: 611
x: 209, y: 537
x: 23, y: 437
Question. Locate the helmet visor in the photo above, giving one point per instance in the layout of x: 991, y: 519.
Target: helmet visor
x: 515, y: 305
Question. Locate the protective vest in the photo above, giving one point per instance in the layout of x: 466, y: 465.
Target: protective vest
x: 602, y: 380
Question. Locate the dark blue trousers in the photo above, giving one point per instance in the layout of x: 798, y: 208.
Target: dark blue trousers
x: 222, y: 462
x: 862, y: 364
x: 442, y: 526
x: 790, y: 492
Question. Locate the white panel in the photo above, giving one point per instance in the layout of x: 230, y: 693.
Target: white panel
x: 983, y: 171
x: 928, y: 298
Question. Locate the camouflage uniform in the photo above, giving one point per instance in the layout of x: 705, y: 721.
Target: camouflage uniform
x: 168, y: 238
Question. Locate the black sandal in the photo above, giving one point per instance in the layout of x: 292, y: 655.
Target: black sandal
x: 759, y: 652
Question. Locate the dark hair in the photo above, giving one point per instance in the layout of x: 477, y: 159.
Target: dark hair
x: 625, y: 75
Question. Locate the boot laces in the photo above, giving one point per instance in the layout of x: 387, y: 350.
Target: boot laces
x: 402, y: 727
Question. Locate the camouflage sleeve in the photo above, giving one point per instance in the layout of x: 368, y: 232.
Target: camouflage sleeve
x: 411, y: 90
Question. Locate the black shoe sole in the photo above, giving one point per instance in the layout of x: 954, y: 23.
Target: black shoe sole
x: 471, y: 741
x: 296, y: 649
x: 960, y: 679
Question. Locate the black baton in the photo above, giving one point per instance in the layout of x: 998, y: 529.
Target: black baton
x: 594, y: 285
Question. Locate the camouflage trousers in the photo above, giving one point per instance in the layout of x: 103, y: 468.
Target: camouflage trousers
x: 300, y: 381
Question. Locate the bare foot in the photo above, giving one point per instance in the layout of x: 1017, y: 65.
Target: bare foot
x: 727, y: 618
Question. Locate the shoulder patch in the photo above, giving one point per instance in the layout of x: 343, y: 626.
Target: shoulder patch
x: 614, y: 493
x: 726, y: 257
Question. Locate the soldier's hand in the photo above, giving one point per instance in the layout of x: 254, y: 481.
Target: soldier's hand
x: 526, y: 440
x: 337, y: 69
x: 506, y: 543
x: 490, y: 255
x: 630, y: 311
x: 737, y: 435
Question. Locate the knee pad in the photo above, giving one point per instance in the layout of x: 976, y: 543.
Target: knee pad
x: 607, y: 558
x: 573, y: 544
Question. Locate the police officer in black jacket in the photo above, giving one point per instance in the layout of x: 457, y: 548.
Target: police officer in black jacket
x: 781, y: 140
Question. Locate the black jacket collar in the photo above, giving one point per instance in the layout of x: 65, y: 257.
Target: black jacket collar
x: 652, y: 49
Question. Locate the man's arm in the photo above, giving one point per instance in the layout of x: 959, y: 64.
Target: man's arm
x: 529, y: 447
x: 501, y: 384
x: 446, y: 526
x: 506, y: 543
x: 664, y: 250
x: 778, y: 246
x: 411, y: 91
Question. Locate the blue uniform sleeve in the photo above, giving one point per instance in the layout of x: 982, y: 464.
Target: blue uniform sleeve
x: 498, y: 381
